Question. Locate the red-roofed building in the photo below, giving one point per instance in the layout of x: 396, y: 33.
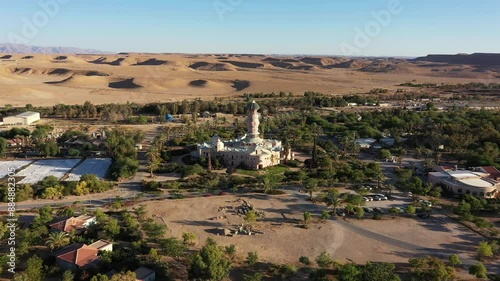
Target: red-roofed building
x: 77, y: 256
x: 492, y: 171
x: 79, y: 224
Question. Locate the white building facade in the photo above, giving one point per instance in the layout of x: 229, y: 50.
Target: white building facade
x: 249, y: 151
x: 23, y: 119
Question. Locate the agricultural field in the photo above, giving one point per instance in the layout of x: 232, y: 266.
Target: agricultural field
x: 43, y: 168
x: 95, y: 166
x: 7, y: 166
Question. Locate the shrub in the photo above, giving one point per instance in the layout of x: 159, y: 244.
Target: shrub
x: 304, y: 260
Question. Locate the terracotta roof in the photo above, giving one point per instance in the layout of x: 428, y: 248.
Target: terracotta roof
x: 494, y: 173
x: 79, y: 254
x: 69, y: 224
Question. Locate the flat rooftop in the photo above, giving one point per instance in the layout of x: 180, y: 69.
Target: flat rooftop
x: 26, y: 114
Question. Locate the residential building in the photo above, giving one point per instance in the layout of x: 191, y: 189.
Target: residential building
x: 77, y: 256
x: 78, y: 224
x: 23, y: 119
x: 250, y: 151
x: 102, y: 245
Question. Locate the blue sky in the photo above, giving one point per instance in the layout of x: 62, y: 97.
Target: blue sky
x: 329, y: 27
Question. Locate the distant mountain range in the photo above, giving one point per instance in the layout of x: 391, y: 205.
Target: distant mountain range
x: 25, y: 49
x: 479, y: 59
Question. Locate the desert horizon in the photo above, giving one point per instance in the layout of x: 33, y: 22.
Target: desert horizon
x: 49, y: 79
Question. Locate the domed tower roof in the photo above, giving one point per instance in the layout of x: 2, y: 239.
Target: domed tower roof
x: 253, y: 106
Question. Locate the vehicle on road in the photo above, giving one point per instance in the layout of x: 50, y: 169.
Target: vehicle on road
x: 408, y: 194
x: 378, y: 210
x: 340, y: 212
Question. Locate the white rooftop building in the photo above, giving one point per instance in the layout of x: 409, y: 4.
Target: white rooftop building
x: 23, y: 119
x: 466, y: 182
x: 250, y: 150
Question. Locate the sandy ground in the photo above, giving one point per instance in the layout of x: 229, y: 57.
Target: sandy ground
x: 284, y: 241
x: 144, y: 78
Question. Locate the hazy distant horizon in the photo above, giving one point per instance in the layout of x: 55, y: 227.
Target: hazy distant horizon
x: 374, y: 28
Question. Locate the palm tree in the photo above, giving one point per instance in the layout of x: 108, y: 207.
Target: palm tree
x: 311, y: 185
x: 154, y: 156
x: 57, y: 240
x: 332, y: 198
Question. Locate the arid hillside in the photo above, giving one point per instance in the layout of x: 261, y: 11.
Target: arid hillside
x: 50, y: 79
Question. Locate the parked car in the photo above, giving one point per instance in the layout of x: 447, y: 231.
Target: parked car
x: 378, y: 210
x: 408, y: 194
x: 426, y: 203
x: 423, y: 215
x: 377, y: 198
x: 367, y: 199
x: 368, y: 210
x: 340, y: 212
x: 381, y: 196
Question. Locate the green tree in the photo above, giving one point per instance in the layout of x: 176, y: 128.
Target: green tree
x: 431, y: 268
x: 57, y: 240
x: 349, y: 272
x: 307, y: 218
x: 209, y: 264
x: 304, y: 260
x: 325, y: 215
x: 68, y: 276
x: 230, y: 250
x: 254, y: 277
x: 44, y: 216
x: 34, y: 269
x: 252, y: 258
x: 124, y: 276
x: 99, y: 277
x: 331, y: 198
x: 172, y: 247
x: 189, y: 238
x: 251, y: 217
x: 379, y: 271
x: 48, y: 149
x: 324, y: 260
x: 411, y: 210
x: 454, y: 260
x: 112, y: 228
x: 360, y: 212
x: 311, y: 185
x: 478, y: 270
x: 484, y: 250
x: 3, y: 147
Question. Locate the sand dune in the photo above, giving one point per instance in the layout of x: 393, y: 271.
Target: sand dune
x: 42, y: 80
x: 241, y: 85
x: 205, y: 66
x: 152, y: 62
x: 244, y: 64
x: 198, y: 83
x: 124, y: 84
x: 319, y: 61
